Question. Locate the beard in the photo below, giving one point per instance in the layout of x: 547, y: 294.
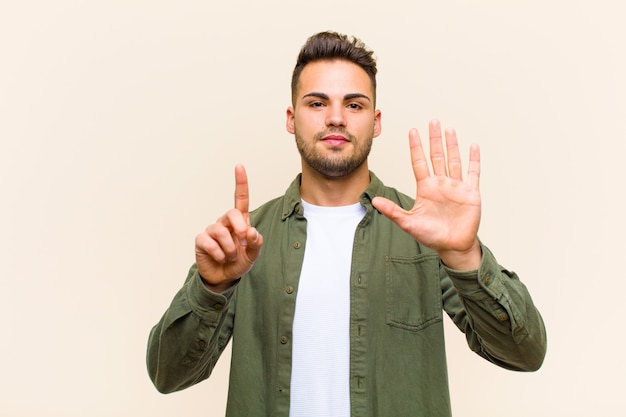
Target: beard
x: 336, y: 164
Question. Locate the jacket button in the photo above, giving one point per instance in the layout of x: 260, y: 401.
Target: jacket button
x: 289, y: 289
x: 297, y: 245
x: 283, y: 339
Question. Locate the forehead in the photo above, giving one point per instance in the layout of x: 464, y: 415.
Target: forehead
x: 337, y: 77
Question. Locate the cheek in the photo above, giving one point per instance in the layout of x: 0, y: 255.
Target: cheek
x: 368, y: 125
x: 307, y: 121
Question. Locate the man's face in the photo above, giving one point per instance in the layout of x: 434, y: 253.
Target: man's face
x: 333, y: 118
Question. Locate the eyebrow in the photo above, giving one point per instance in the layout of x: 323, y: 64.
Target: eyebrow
x: 346, y: 97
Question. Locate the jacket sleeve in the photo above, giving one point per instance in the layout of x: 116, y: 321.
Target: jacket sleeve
x: 184, y: 346
x: 495, y: 311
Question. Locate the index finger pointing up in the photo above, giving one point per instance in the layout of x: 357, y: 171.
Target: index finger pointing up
x: 242, y: 198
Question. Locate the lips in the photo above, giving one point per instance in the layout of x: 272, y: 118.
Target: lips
x: 335, y: 140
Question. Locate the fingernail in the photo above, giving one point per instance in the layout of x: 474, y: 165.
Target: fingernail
x: 243, y: 242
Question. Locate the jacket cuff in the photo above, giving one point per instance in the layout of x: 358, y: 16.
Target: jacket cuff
x: 482, y: 283
x: 206, y: 303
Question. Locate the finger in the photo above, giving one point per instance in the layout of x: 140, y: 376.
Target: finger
x: 242, y: 198
x: 473, y: 172
x: 206, y: 245
x: 389, y: 208
x: 418, y: 159
x: 437, y: 156
x: 238, y: 223
x: 454, y: 156
x: 254, y: 244
x: 222, y: 242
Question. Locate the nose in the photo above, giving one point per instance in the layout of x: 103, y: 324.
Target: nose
x: 335, y: 116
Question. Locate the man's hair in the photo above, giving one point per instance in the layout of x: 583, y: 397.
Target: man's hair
x: 329, y: 46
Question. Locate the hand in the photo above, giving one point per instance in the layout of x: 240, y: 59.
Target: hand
x: 228, y: 248
x: 446, y: 213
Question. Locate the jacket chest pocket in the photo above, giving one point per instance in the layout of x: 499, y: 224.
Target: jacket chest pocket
x: 413, y: 292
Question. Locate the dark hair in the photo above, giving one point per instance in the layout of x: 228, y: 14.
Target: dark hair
x: 328, y: 46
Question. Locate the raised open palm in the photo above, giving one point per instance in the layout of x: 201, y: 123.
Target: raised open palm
x: 446, y: 213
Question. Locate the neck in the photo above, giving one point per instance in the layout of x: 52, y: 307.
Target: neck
x: 320, y: 190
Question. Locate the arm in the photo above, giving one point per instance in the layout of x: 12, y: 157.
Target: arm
x: 186, y: 343
x: 487, y: 302
x: 495, y: 311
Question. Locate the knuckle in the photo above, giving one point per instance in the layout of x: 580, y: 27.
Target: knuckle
x: 211, y: 245
x: 233, y: 215
x: 222, y: 233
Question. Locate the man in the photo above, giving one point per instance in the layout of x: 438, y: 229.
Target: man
x: 334, y: 293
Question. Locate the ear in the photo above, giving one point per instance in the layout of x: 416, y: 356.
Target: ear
x: 378, y: 128
x: 290, y: 120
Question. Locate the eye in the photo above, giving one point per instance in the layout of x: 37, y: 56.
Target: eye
x: 316, y: 104
x: 354, y: 106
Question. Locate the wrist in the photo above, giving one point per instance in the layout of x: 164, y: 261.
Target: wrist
x: 217, y: 288
x: 468, y: 260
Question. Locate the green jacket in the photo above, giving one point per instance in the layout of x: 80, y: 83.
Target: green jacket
x: 399, y: 290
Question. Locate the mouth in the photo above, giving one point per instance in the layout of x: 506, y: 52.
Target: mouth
x: 335, y: 140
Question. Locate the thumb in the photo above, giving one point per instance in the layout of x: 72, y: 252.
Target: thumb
x: 395, y: 213
x: 254, y: 243
x: 387, y: 207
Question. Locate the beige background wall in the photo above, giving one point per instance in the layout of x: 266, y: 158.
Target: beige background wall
x: 121, y: 121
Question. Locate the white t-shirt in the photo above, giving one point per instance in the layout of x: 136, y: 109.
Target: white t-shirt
x: 320, y: 379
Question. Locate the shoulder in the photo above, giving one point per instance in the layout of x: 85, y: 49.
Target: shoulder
x: 280, y: 207
x: 267, y: 209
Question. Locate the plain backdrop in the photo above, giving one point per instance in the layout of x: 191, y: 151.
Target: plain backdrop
x: 121, y: 122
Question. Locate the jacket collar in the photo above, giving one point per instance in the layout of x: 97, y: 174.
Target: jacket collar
x: 292, y: 201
